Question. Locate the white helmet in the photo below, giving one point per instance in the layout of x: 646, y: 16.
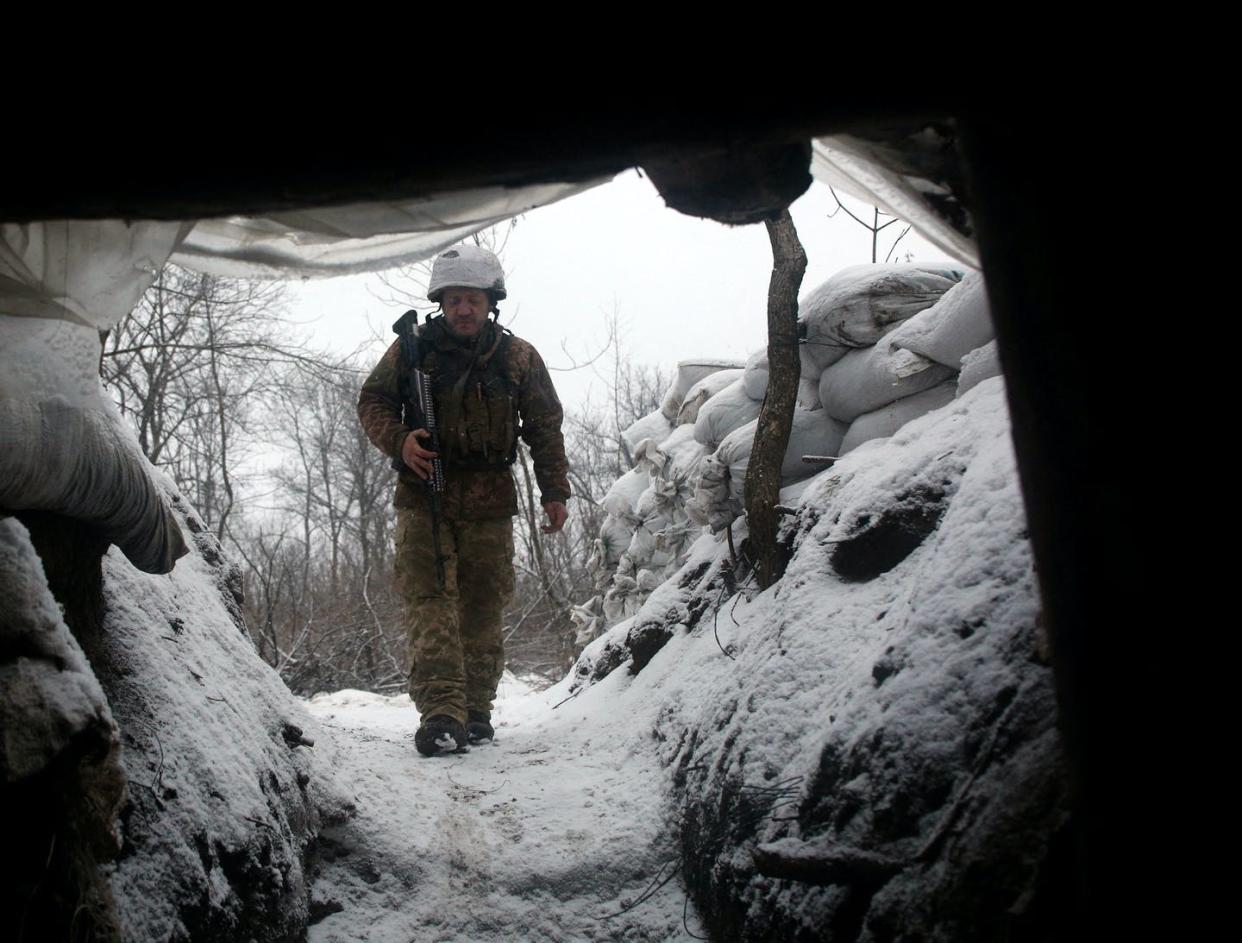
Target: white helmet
x: 466, y: 266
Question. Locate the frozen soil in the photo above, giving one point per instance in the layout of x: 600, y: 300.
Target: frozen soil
x: 554, y: 831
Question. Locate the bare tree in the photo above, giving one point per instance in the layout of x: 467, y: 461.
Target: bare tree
x: 763, y: 474
x: 875, y: 227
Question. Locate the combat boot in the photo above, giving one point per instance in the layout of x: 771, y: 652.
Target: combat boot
x: 479, y: 727
x: 440, y: 734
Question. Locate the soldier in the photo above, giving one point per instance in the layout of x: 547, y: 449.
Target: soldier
x: 489, y: 387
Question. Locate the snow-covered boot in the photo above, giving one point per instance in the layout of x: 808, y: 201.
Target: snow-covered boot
x: 440, y: 734
x: 479, y: 727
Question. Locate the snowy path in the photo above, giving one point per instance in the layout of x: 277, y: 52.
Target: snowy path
x: 541, y: 835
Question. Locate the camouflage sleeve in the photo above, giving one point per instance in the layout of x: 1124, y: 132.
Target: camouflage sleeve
x: 379, y: 404
x: 541, y: 416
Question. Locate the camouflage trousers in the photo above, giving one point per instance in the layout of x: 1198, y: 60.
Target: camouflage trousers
x: 456, y: 646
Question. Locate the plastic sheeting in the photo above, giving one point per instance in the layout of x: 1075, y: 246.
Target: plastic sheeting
x: 89, y: 272
x: 364, y: 237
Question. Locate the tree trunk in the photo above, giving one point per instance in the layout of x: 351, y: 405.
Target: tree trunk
x: 763, y: 476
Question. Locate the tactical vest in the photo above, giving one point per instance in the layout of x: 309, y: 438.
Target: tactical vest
x: 474, y: 396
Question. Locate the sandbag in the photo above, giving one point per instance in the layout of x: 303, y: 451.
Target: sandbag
x: 755, y: 378
x: 615, y: 534
x: 653, y: 427
x: 866, y: 380
x: 860, y: 304
x: 704, y: 390
x: 977, y: 366
x: 888, y: 419
x: 677, y: 458
x: 812, y: 433
x: 724, y: 412
x: 712, y: 505
x: 951, y: 328
x: 622, y: 497
x: 689, y: 372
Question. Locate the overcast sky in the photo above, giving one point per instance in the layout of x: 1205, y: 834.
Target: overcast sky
x: 682, y: 287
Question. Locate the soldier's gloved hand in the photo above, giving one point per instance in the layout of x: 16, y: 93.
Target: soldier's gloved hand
x: 415, y: 456
x: 557, y: 513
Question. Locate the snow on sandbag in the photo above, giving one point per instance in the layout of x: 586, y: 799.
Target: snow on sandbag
x: 588, y: 618
x: 690, y: 372
x: 860, y: 304
x: 615, y: 534
x: 723, y: 413
x: 888, y: 419
x: 951, y: 328
x: 712, y: 506
x: 654, y: 426
x: 808, y: 394
x: 814, y: 432
x: 704, y: 390
x: 866, y: 380
x: 678, y: 457
x: 642, y: 551
x: 977, y: 366
x: 755, y: 378
x: 622, y: 497
x: 622, y: 599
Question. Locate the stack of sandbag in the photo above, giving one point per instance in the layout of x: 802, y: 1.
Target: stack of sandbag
x: 914, y: 368
x: 690, y: 372
x: 756, y: 379
x: 621, y: 520
x: 729, y: 409
x: 704, y: 390
x: 718, y: 499
x: 862, y: 303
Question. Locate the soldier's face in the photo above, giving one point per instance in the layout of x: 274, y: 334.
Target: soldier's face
x: 465, y: 310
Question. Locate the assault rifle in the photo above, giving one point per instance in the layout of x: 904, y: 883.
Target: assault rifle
x: 416, y: 395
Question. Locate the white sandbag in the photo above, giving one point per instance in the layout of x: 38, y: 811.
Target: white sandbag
x: 690, y: 372
x: 622, y: 497
x: 755, y: 376
x: 622, y: 599
x: 951, y: 328
x: 677, y: 458
x: 654, y: 427
x: 888, y: 419
x: 808, y: 394
x: 704, y: 390
x: 866, y: 380
x: 724, y: 412
x: 977, y: 366
x: 812, y: 433
x: 615, y: 534
x: 860, y: 304
x: 712, y: 506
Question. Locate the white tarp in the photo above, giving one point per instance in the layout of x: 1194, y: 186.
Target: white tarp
x: 363, y: 237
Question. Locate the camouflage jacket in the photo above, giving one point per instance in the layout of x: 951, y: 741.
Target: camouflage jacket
x: 473, y: 493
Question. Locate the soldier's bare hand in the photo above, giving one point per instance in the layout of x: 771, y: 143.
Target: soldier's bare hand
x: 415, y: 456
x: 558, y: 514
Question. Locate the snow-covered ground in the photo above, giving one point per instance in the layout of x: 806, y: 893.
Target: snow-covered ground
x: 552, y: 832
